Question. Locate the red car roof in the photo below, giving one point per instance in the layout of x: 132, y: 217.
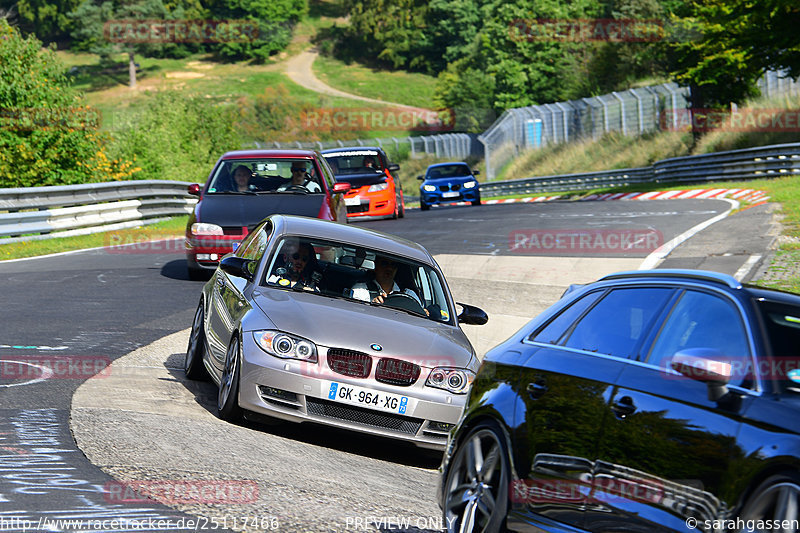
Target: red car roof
x: 244, y: 154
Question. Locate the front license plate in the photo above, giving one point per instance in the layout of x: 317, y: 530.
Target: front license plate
x: 450, y: 194
x: 371, y: 399
x: 352, y: 201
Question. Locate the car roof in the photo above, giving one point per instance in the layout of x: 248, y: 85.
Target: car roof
x: 368, y: 238
x: 352, y: 149
x: 446, y: 164
x: 704, y: 276
x: 244, y: 154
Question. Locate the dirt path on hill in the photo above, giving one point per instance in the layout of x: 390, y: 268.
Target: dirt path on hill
x: 299, y: 70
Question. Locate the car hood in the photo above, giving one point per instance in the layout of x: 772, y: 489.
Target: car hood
x: 248, y: 210
x: 362, y: 179
x: 449, y: 181
x: 340, y: 323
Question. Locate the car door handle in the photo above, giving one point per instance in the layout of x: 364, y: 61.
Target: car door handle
x: 623, y: 407
x: 536, y: 390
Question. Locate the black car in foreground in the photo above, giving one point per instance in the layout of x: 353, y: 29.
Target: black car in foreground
x: 664, y: 400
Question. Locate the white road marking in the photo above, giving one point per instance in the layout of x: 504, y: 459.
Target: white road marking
x: 748, y: 265
x: 652, y: 260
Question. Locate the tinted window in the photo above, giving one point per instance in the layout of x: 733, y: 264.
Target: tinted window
x: 616, y: 324
x: 783, y: 333
x: 553, y: 331
x: 703, y: 320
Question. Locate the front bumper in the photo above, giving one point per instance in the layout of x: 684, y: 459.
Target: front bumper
x: 463, y: 195
x: 380, y: 204
x: 204, y: 252
x: 293, y: 390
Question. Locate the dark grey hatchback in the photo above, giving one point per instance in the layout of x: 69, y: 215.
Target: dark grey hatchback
x: 664, y: 400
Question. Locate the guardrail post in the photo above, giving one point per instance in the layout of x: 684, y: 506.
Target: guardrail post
x: 565, y: 120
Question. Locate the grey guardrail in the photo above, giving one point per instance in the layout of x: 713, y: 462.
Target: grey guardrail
x: 33, y: 213
x: 751, y: 163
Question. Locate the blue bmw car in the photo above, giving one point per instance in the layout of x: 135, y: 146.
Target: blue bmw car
x: 449, y: 182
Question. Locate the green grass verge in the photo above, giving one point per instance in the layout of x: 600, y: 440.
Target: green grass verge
x: 400, y: 87
x: 164, y: 229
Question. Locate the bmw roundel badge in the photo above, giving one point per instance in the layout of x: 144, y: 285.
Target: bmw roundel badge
x: 375, y: 346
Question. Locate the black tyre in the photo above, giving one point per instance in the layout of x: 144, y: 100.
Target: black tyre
x: 424, y: 206
x: 477, y: 201
x: 476, y: 490
x: 402, y: 211
x: 198, y: 274
x: 775, y: 500
x: 228, y: 399
x: 193, y: 363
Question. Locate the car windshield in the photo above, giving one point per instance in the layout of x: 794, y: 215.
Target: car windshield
x: 449, y: 171
x: 370, y: 277
x: 259, y: 175
x: 354, y: 162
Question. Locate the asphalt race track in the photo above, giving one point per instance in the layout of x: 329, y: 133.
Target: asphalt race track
x: 68, y: 317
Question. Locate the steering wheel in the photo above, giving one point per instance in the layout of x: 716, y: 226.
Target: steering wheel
x: 401, y: 300
x: 296, y: 188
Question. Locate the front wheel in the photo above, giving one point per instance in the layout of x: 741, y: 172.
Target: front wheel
x: 228, y: 398
x: 402, y: 209
x: 477, y: 201
x: 776, y: 500
x: 476, y: 490
x: 423, y: 206
x: 193, y: 362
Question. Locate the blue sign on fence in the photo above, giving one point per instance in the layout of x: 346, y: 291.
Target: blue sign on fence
x: 533, y: 130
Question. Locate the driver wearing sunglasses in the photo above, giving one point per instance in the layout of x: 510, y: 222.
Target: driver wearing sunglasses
x: 296, y: 267
x: 301, y: 180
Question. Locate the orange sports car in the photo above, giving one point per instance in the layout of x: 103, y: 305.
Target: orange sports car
x: 374, y: 192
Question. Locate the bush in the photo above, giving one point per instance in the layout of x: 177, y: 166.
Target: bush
x: 47, y: 135
x: 173, y: 136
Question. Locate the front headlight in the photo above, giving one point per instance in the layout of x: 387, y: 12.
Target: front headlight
x: 201, y: 228
x: 286, y: 346
x: 470, y: 184
x: 429, y: 188
x: 378, y: 187
x: 455, y: 380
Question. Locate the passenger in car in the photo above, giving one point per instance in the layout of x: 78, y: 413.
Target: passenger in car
x: 369, y: 162
x: 300, y: 179
x: 297, y: 267
x: 241, y: 178
x: 382, y: 284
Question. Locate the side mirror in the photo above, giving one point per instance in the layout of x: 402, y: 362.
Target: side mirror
x: 420, y: 178
x: 393, y: 167
x: 472, y: 315
x: 475, y: 172
x: 193, y: 189
x: 341, y: 187
x: 706, y: 365
x: 237, y: 266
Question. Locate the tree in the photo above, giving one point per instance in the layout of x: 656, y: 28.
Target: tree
x: 48, y: 136
x: 48, y: 19
x: 736, y: 42
x: 94, y: 20
x: 274, y: 19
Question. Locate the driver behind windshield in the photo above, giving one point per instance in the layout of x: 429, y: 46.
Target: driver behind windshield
x: 382, y: 283
x: 300, y: 179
